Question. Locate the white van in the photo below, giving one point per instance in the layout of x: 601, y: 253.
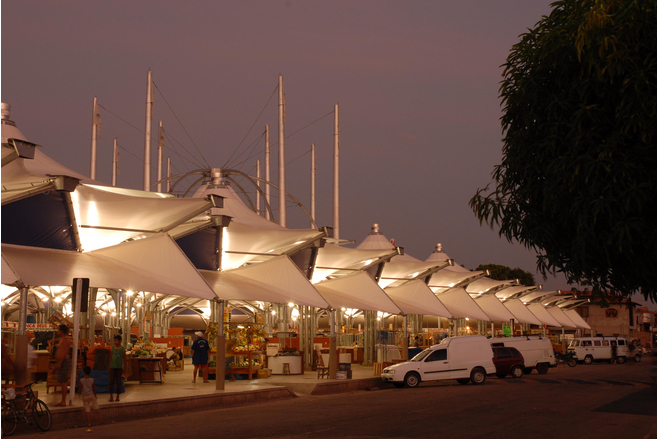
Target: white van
x: 589, y: 349
x: 537, y: 351
x: 466, y: 358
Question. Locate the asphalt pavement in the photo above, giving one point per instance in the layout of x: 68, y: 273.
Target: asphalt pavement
x: 599, y: 401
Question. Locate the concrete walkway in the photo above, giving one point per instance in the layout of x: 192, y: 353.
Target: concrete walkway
x: 178, y: 395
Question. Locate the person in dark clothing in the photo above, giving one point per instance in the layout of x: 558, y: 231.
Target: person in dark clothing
x: 200, y: 350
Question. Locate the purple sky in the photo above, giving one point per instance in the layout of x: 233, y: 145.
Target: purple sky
x: 417, y: 85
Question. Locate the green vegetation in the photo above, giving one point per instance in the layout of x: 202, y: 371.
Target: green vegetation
x: 578, y: 178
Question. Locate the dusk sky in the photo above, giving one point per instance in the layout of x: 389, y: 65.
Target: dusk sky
x: 416, y: 82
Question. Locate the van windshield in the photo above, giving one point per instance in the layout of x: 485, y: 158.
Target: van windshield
x: 421, y: 355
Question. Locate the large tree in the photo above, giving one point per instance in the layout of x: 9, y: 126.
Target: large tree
x: 578, y: 178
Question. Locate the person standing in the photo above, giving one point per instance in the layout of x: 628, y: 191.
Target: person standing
x: 63, y: 361
x: 200, y: 350
x: 116, y: 366
x: 88, y: 394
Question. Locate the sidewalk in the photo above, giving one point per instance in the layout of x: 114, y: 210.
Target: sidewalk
x: 178, y: 395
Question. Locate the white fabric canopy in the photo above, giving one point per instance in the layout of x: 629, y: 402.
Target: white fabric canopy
x: 398, y: 271
x: 416, y: 298
x: 513, y: 292
x: 485, y: 284
x: 107, y: 216
x: 536, y: 296
x: 244, y: 243
x: 336, y: 260
x: 357, y: 291
x: 155, y: 264
x: 494, y: 308
x: 521, y: 312
x: 278, y: 280
x: 9, y: 276
x: 461, y: 305
x: 235, y: 208
x: 576, y: 318
x: 561, y: 317
x: 541, y: 313
x: 449, y: 278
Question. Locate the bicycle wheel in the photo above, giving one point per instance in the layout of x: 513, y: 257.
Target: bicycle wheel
x: 9, y: 420
x: 41, y: 415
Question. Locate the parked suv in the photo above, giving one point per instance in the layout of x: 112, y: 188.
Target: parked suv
x: 508, y: 361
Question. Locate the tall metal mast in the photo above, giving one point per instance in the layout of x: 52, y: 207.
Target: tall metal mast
x: 161, y: 144
x: 267, y: 169
x: 96, y: 121
x: 313, y: 184
x: 115, y: 163
x: 147, y: 132
x: 282, y: 162
x: 335, y: 222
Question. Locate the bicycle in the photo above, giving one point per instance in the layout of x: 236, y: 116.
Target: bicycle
x: 12, y: 413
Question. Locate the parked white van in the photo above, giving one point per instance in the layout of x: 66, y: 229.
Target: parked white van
x: 589, y: 349
x: 537, y: 351
x: 466, y: 358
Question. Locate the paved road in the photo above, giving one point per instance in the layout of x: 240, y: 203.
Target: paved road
x: 595, y: 401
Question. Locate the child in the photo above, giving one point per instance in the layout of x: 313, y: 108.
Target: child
x: 116, y: 366
x: 88, y: 393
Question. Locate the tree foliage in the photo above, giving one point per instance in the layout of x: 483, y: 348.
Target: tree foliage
x: 502, y: 272
x: 578, y: 178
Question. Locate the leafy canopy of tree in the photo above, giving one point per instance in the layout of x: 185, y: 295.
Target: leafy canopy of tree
x: 501, y: 272
x: 578, y: 178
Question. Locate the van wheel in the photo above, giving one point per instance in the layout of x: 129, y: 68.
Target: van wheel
x: 588, y: 360
x: 543, y: 368
x: 637, y: 358
x: 399, y: 385
x: 517, y: 372
x: 478, y: 376
x: 463, y: 380
x: 412, y: 379
x: 621, y: 360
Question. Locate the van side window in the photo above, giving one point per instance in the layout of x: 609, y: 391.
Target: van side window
x: 438, y: 355
x: 587, y: 343
x: 605, y: 342
x: 598, y: 343
x: 622, y: 342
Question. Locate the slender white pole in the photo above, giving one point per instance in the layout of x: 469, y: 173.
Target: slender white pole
x: 92, y: 168
x: 282, y: 161
x: 169, y: 173
x: 115, y: 162
x: 258, y: 184
x: 313, y: 184
x: 267, y: 169
x: 147, y: 133
x: 161, y: 144
x: 335, y: 222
